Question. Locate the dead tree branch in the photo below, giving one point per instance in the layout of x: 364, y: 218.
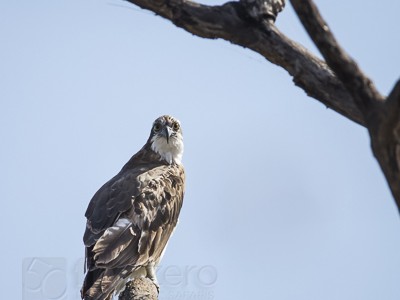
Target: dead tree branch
x: 356, y: 82
x: 382, y: 116
x: 338, y: 83
x: 235, y: 22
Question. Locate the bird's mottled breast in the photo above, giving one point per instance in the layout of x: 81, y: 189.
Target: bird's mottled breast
x: 160, y: 196
x: 171, y: 177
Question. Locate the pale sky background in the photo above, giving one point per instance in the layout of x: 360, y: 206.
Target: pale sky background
x: 284, y: 199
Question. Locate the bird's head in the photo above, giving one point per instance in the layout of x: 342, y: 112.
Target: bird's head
x: 166, y: 139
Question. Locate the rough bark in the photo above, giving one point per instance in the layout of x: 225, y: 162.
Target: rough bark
x: 139, y: 289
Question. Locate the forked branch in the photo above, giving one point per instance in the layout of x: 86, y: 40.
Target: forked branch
x: 338, y: 83
x: 382, y: 115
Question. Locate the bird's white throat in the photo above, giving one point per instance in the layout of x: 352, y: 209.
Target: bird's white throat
x: 171, y: 152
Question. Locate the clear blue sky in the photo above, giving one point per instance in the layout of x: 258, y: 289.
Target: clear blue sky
x: 284, y: 199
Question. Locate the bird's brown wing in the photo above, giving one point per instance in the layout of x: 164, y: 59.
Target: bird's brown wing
x: 108, y: 203
x: 130, y: 220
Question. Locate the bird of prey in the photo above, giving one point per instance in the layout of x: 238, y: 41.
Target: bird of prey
x: 132, y: 216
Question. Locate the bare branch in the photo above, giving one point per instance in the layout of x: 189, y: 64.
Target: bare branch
x: 357, y: 83
x: 248, y: 23
x: 232, y: 22
x: 381, y: 115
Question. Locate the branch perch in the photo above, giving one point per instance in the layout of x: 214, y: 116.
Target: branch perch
x: 139, y: 289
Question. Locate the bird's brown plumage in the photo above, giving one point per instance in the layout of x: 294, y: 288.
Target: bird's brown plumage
x: 130, y: 219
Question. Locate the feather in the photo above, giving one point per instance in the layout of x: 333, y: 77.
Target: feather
x: 113, y: 241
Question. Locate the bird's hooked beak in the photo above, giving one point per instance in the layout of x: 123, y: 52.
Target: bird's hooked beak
x: 167, y: 132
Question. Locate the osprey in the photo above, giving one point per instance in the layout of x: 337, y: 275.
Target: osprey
x: 131, y: 217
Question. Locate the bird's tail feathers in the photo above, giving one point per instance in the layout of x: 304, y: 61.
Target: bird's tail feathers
x: 100, y: 284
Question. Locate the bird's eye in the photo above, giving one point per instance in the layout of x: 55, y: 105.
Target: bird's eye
x: 175, y: 126
x: 156, y: 127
